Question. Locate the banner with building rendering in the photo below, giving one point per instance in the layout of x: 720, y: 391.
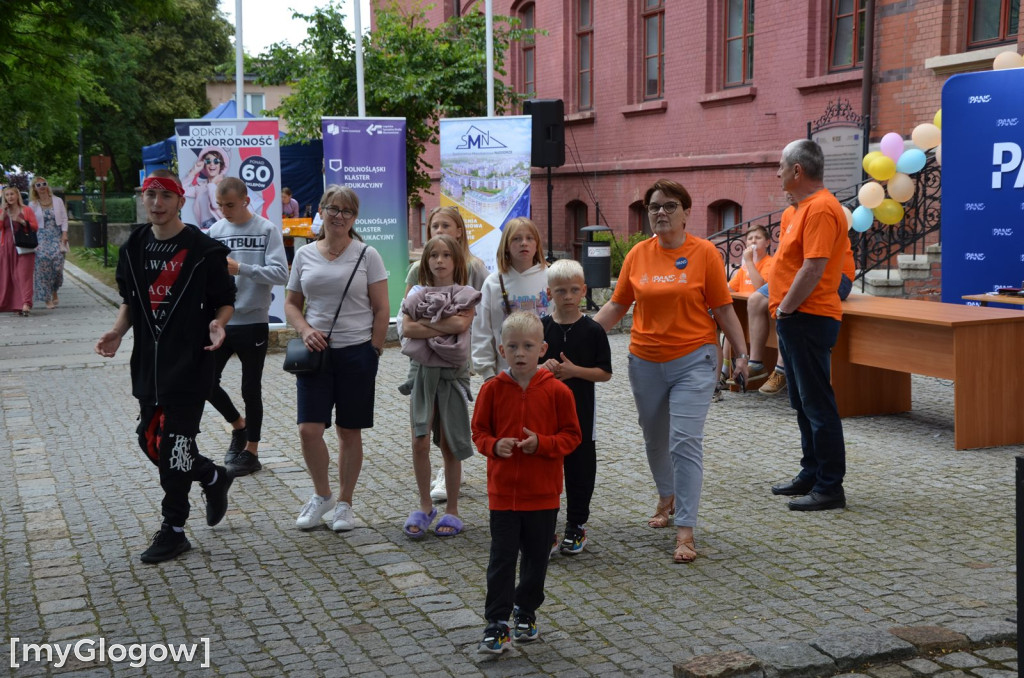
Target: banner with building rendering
x: 368, y: 156
x: 485, y: 172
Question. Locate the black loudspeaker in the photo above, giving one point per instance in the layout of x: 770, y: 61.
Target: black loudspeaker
x: 548, y: 115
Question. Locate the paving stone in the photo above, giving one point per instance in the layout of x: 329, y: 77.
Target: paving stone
x: 791, y: 660
x: 850, y: 649
x: 959, y: 660
x: 998, y: 654
x: 719, y: 665
x: 931, y: 638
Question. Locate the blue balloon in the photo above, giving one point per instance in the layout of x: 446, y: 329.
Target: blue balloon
x: 912, y: 160
x: 862, y: 219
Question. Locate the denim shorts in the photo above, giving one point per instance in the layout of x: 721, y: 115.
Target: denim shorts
x: 348, y: 387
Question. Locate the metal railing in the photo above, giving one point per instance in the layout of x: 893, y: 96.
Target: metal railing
x: 873, y: 249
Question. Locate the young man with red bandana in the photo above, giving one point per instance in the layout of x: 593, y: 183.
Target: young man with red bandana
x: 178, y: 296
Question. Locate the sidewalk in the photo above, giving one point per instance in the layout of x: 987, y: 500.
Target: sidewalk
x: 927, y: 540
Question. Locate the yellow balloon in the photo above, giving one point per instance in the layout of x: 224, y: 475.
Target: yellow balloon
x: 869, y: 158
x: 889, y: 212
x: 882, y: 168
x: 1007, y: 60
x: 937, y: 120
x: 871, y: 195
x: 901, y: 187
x: 926, y: 136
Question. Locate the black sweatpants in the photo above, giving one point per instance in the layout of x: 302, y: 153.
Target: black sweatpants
x: 249, y: 343
x: 167, y: 435
x: 580, y: 475
x: 512, y: 533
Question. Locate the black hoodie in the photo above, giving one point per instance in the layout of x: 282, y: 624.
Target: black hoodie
x: 173, y: 368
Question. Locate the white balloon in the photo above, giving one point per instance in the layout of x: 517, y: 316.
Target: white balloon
x: 901, y: 187
x: 871, y: 195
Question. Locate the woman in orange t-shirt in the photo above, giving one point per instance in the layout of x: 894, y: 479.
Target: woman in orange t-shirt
x: 675, y: 279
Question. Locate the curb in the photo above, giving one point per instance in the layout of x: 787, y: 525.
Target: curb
x: 94, y: 285
x: 847, y: 651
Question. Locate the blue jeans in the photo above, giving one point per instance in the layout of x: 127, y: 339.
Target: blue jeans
x: 806, y: 343
x: 672, y: 401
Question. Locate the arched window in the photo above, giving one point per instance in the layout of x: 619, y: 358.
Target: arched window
x: 576, y: 217
x: 527, y: 54
x: 723, y: 215
x: 639, y: 221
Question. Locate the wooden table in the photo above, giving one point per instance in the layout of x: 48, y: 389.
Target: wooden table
x: 986, y: 299
x: 883, y: 341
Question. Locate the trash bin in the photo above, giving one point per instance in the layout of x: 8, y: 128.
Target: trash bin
x: 597, y: 259
x: 93, y: 227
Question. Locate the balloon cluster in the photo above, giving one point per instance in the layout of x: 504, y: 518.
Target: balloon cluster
x: 893, y: 165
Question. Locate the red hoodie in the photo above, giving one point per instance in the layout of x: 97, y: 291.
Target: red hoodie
x: 525, y: 482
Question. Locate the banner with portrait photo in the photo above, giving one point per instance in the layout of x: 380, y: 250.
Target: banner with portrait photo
x: 368, y: 156
x: 485, y: 173
x: 212, y: 149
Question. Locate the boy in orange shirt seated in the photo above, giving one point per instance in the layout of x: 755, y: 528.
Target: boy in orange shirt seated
x: 748, y: 278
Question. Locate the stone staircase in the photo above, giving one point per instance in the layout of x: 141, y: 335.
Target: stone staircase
x: 916, y: 277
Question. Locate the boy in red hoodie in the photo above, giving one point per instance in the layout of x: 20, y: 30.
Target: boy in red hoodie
x: 525, y: 423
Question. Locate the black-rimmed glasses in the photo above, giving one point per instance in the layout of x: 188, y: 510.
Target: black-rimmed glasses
x: 333, y: 211
x: 669, y: 207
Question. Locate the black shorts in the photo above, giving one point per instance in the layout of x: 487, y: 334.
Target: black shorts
x: 349, y: 386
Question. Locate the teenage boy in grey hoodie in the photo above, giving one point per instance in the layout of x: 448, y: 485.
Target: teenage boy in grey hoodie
x: 258, y: 262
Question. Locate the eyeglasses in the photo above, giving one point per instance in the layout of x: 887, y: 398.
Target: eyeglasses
x: 669, y: 207
x: 333, y: 211
x: 41, y: 184
x: 213, y: 160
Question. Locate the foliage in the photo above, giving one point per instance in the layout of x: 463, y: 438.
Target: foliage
x: 123, y: 68
x: 90, y: 260
x: 620, y: 246
x: 120, y: 210
x: 411, y: 70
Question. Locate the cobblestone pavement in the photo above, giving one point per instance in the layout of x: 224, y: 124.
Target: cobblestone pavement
x: 928, y: 538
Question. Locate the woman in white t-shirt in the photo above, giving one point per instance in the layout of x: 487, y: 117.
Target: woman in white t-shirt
x: 320, y: 273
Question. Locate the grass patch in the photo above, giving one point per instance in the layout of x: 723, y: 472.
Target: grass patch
x: 90, y: 260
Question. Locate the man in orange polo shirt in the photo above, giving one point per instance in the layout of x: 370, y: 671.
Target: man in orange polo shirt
x: 806, y: 272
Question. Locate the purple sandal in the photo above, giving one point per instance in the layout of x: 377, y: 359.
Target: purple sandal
x: 421, y: 521
x: 453, y: 523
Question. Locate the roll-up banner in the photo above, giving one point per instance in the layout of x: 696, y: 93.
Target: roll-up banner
x: 485, y: 172
x: 368, y: 156
x: 249, y: 149
x: 982, y: 183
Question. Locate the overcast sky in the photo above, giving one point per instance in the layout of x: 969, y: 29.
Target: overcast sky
x: 264, y: 23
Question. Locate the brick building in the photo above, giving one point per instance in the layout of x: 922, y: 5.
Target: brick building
x: 709, y: 93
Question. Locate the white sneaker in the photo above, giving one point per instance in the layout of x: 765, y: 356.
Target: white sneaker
x: 344, y: 519
x: 313, y: 512
x: 438, y: 492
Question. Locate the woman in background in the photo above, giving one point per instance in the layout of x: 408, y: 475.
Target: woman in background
x: 52, y: 218
x: 16, y: 264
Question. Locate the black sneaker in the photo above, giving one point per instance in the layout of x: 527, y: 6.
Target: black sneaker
x: 217, y: 496
x: 524, y: 627
x: 575, y: 539
x: 167, y: 544
x: 245, y: 463
x: 236, y: 447
x: 496, y: 638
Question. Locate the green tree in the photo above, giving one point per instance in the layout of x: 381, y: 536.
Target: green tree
x: 412, y: 70
x: 124, y: 69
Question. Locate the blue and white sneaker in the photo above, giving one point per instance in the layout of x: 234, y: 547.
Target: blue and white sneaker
x: 524, y: 627
x: 574, y: 541
x: 496, y: 639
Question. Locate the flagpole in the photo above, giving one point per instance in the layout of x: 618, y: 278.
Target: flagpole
x: 360, y: 92
x: 489, y: 14
x: 239, y: 67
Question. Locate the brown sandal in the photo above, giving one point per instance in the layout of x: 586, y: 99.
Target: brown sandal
x: 686, y: 551
x: 666, y: 508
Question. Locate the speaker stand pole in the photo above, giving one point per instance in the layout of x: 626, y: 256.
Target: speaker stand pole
x: 551, y: 190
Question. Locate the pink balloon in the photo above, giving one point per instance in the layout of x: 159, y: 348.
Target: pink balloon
x: 892, y: 145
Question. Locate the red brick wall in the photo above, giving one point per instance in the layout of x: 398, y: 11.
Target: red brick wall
x: 721, y: 144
